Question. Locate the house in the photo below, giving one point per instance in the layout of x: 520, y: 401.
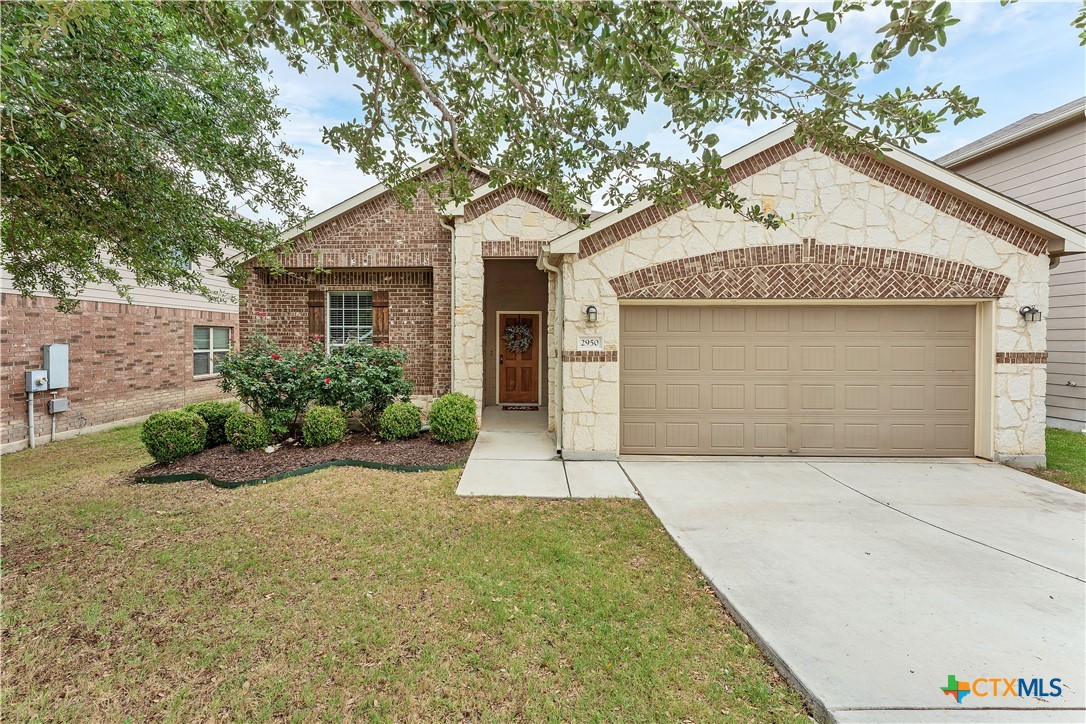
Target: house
x: 126, y: 360
x: 883, y: 320
x: 1040, y: 160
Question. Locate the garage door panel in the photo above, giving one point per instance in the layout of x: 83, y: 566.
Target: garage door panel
x: 638, y: 358
x: 683, y: 358
x: 831, y: 380
x: 818, y: 319
x: 728, y: 319
x: 731, y: 358
x: 683, y: 397
x: 639, y: 319
x: 771, y: 319
x: 818, y: 359
x: 684, y: 319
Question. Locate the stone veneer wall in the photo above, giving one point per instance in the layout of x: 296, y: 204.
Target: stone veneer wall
x: 833, y: 204
x: 514, y: 217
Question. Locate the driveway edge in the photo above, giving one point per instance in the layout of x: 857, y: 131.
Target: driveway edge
x: 818, y: 708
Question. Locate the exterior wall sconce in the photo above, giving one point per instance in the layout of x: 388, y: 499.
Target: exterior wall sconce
x: 1030, y: 313
x: 591, y: 314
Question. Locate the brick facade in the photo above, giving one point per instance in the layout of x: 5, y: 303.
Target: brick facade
x: 283, y: 299
x: 406, y: 252
x: 125, y: 361
x: 607, y: 355
x: 512, y: 248
x: 1021, y: 358
x: 810, y: 271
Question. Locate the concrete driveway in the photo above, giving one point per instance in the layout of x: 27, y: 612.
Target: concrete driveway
x: 871, y: 582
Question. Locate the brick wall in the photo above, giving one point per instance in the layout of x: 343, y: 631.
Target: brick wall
x: 283, y: 299
x: 125, y: 361
x: 384, y: 239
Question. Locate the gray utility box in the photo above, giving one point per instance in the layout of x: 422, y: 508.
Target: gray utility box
x: 56, y: 364
x: 37, y: 380
x: 58, y: 404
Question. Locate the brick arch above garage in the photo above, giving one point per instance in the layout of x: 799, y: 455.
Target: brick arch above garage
x: 809, y: 270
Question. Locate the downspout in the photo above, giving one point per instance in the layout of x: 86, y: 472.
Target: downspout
x: 559, y: 333
x: 452, y: 298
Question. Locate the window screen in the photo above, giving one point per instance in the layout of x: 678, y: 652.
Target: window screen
x: 350, y: 316
x: 209, y: 346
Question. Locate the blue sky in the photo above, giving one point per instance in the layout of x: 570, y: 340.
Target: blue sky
x: 1020, y: 59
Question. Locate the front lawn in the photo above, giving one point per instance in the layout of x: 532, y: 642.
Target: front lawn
x: 1066, y: 452
x: 350, y: 594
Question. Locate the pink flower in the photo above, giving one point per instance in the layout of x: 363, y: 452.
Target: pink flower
x: 276, y: 356
x: 327, y: 380
x: 261, y: 314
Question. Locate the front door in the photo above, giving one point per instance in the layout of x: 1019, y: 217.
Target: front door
x: 518, y: 357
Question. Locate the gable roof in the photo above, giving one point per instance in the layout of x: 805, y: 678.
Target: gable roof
x: 1020, y: 130
x: 1061, y: 238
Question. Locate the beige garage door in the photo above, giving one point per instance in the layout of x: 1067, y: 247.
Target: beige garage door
x: 803, y: 380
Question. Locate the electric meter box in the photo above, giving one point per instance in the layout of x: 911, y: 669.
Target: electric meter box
x: 56, y: 365
x: 37, y: 380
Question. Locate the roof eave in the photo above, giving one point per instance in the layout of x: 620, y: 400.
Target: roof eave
x: 1022, y: 134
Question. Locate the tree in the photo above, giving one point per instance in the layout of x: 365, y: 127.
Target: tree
x: 543, y: 93
x: 128, y: 141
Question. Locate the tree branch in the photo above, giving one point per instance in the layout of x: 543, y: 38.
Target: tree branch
x: 374, y: 26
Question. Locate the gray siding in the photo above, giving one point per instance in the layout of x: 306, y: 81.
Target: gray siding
x: 1048, y: 172
x: 154, y: 296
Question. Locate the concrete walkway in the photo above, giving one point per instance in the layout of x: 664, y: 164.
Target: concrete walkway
x: 514, y: 455
x: 869, y: 583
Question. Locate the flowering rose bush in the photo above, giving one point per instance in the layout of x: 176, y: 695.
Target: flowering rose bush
x: 363, y: 380
x: 276, y: 383
x: 280, y: 384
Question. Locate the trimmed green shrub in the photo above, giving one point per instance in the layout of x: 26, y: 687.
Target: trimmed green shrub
x: 170, y: 436
x: 323, y: 425
x: 452, y: 418
x: 215, y: 414
x: 246, y: 431
x: 400, y: 420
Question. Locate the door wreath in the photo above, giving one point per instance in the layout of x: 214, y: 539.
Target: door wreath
x: 517, y: 338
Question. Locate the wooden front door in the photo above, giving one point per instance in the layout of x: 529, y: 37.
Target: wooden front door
x: 518, y: 371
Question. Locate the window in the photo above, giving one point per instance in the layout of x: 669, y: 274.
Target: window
x: 350, y: 316
x: 209, y: 346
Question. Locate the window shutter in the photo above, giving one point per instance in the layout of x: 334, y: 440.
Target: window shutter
x: 316, y: 313
x: 380, y: 317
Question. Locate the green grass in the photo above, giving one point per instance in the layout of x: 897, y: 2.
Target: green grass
x: 1066, y: 452
x: 351, y: 594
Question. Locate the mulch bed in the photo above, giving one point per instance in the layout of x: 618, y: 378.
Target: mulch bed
x: 228, y: 465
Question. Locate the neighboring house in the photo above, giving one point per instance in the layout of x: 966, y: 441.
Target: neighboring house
x: 125, y: 360
x: 882, y: 321
x: 1041, y: 161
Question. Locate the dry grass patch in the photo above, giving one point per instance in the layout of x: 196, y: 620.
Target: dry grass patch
x: 354, y: 594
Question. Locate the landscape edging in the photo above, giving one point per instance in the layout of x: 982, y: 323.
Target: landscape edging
x: 182, y: 477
